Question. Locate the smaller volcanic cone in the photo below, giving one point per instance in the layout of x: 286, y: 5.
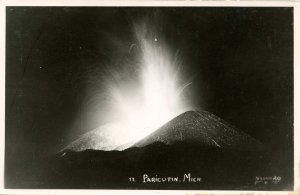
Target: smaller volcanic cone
x: 102, y: 138
x: 203, y: 128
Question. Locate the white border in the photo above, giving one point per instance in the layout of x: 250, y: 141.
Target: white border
x: 179, y: 3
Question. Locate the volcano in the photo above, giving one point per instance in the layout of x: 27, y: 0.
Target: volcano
x: 200, y: 127
x: 203, y: 128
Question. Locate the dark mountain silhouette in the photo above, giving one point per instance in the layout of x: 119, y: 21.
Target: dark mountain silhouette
x: 196, y: 142
x: 219, y: 168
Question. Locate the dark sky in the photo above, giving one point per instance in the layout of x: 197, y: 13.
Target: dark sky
x: 242, y: 59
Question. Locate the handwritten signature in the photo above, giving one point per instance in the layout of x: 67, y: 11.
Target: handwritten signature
x: 267, y: 180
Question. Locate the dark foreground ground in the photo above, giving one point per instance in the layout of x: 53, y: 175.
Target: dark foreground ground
x: 218, y: 168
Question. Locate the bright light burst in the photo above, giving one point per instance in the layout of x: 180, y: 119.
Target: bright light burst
x: 154, y: 97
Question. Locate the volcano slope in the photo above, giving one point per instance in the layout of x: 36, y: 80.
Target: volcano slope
x: 102, y: 138
x: 203, y: 128
x: 196, y: 142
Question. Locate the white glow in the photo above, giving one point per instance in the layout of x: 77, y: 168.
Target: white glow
x: 143, y: 104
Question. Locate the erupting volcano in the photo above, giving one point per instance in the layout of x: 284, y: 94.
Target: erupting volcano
x: 153, y: 107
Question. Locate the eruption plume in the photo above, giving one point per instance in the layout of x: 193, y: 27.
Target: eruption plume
x: 141, y: 98
x: 158, y: 96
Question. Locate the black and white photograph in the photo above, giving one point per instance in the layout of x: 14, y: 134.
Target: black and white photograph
x: 149, y: 98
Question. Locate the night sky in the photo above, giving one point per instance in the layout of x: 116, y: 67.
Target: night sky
x: 240, y: 59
